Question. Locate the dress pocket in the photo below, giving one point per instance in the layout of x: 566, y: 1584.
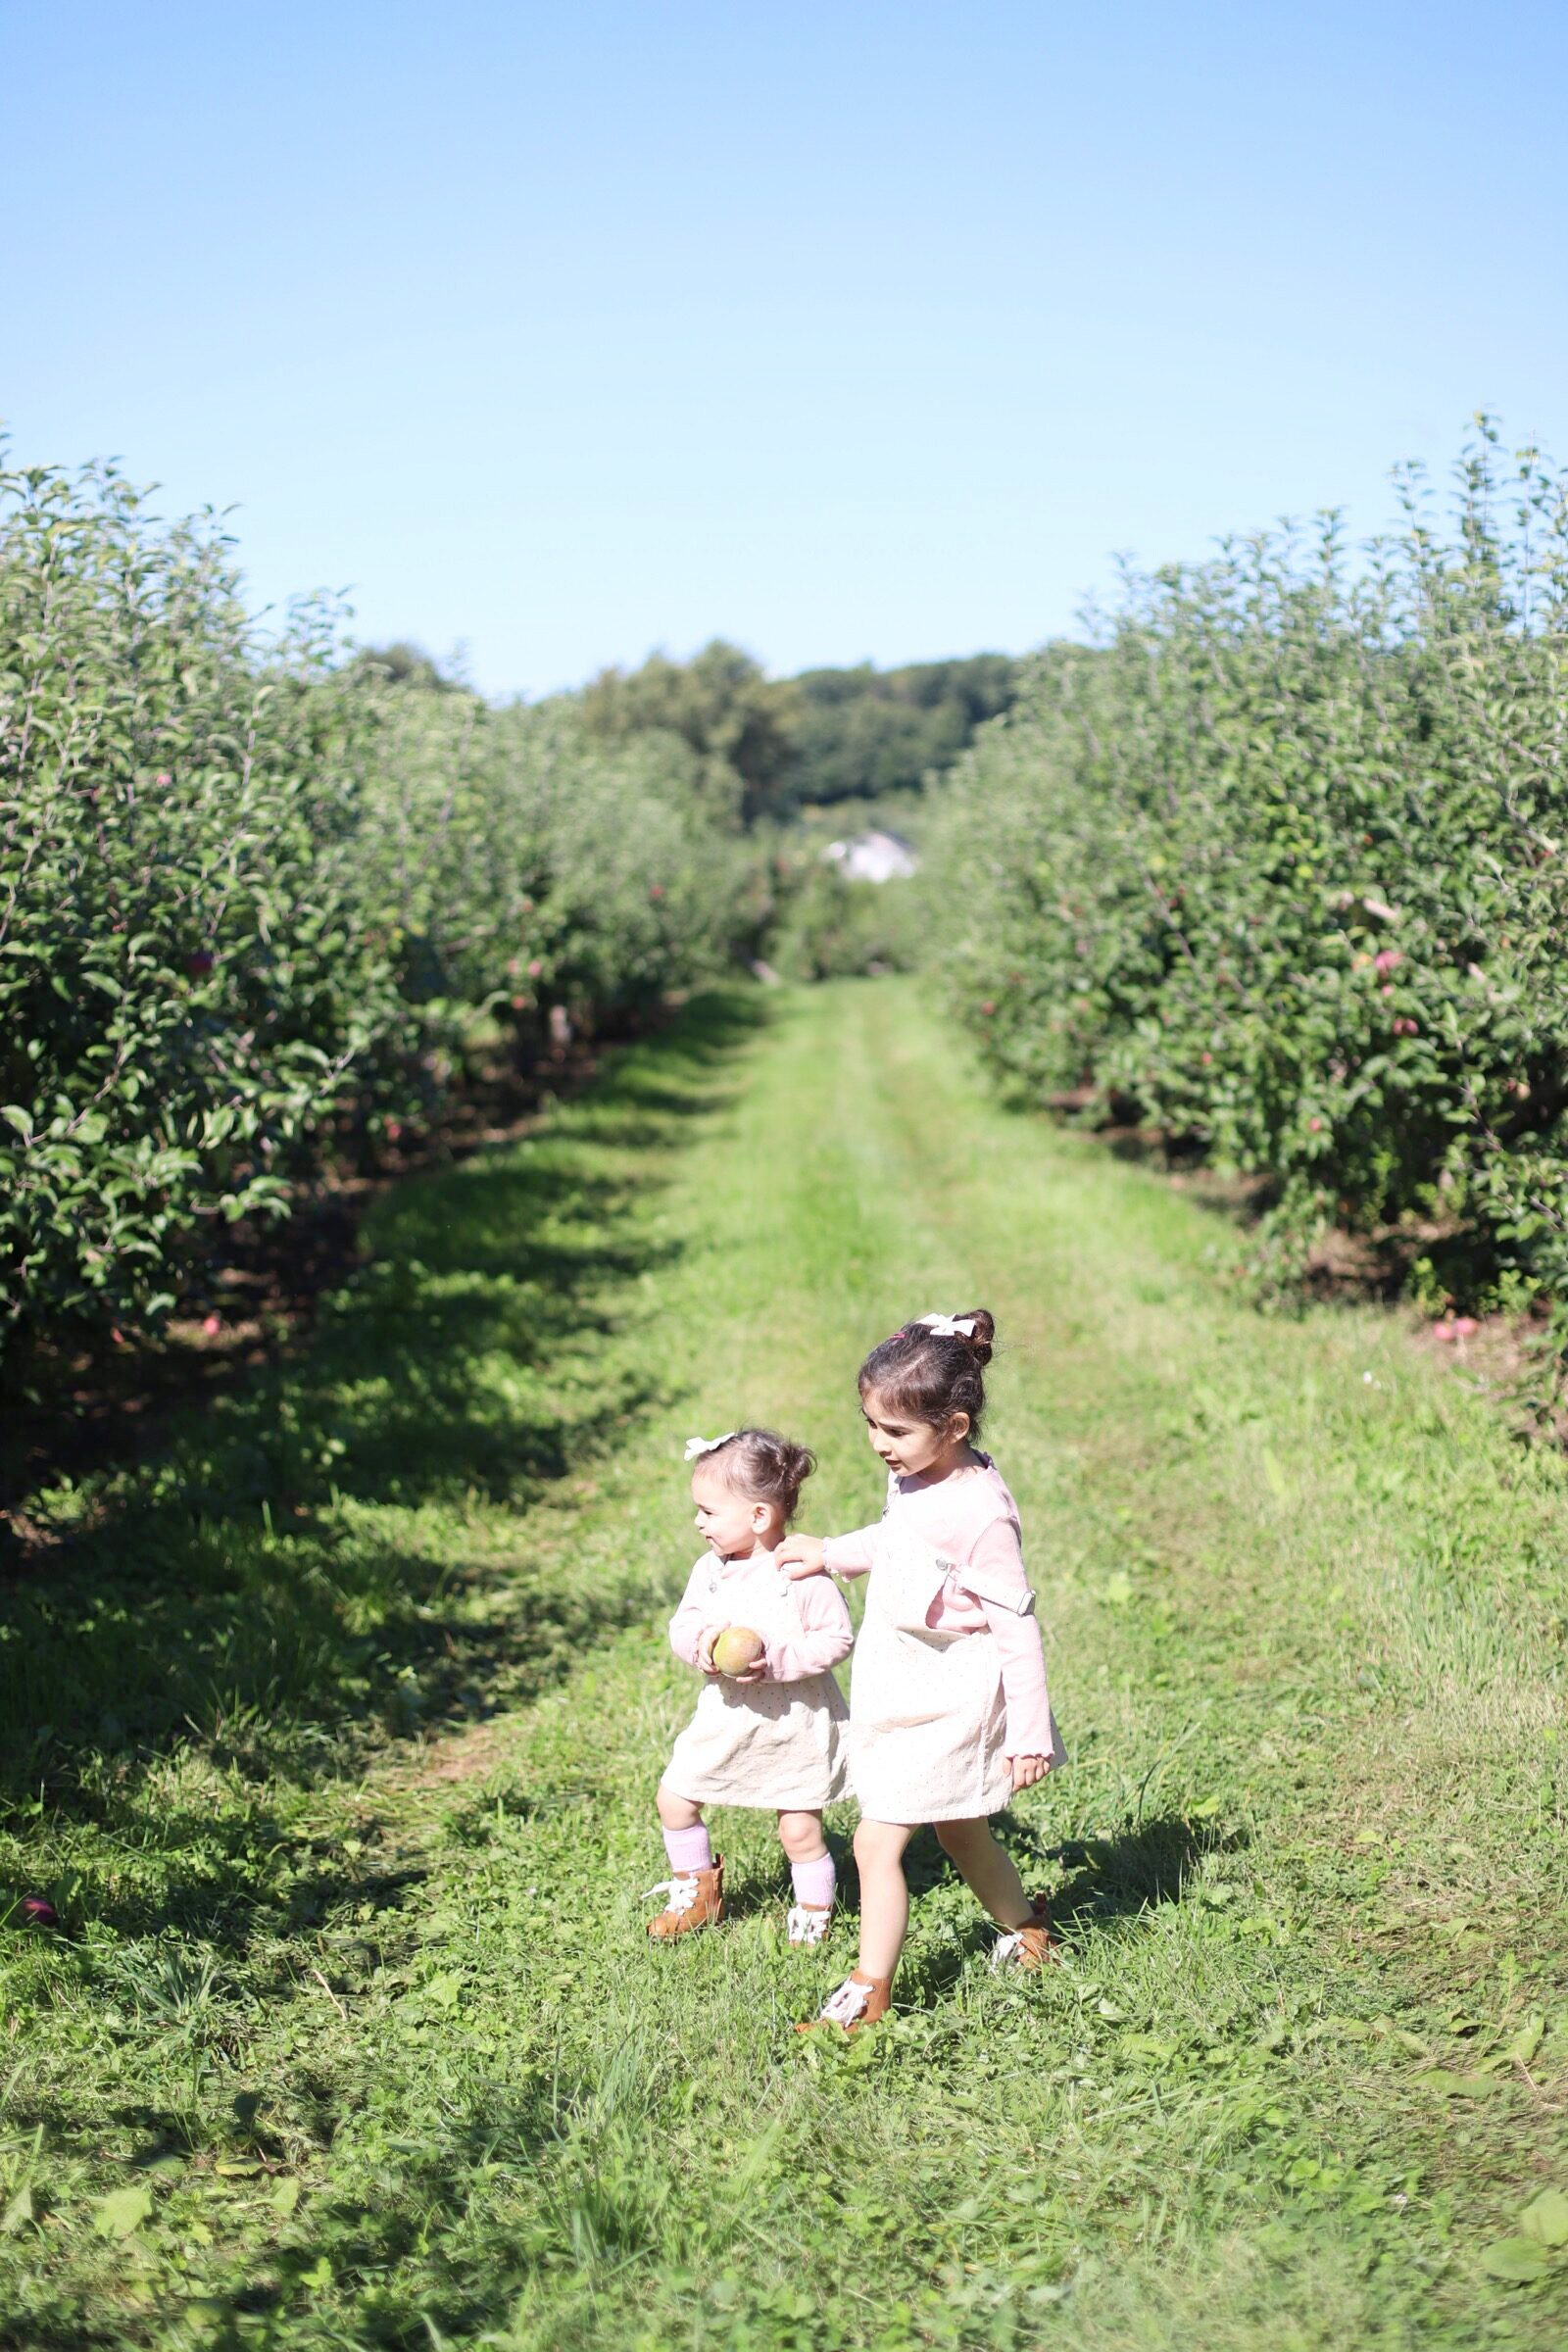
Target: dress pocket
x: 928, y: 1587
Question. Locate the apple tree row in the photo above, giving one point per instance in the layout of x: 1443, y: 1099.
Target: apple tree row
x: 1278, y: 863
x: 255, y: 896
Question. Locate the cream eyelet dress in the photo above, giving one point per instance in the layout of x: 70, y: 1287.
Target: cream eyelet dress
x: 931, y: 1728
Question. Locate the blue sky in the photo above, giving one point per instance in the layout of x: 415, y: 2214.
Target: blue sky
x: 849, y: 332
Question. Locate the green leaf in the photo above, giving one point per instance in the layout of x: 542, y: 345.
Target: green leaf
x: 18, y: 2213
x: 1403, y: 2036
x: 285, y: 2196
x: 1519, y: 2260
x: 20, y: 1117
x: 1457, y: 2086
x: 1547, y: 2217
x: 1527, y: 2041
x: 123, y: 2211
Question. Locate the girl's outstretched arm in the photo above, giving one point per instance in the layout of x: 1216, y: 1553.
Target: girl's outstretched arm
x: 850, y: 1555
x: 802, y: 1556
x: 839, y: 1555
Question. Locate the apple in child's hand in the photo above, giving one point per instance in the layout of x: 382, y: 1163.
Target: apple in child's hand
x: 738, y: 1649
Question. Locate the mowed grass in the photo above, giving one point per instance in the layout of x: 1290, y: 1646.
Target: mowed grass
x: 358, y: 1705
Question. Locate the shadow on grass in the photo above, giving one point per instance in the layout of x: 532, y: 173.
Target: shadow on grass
x: 1148, y: 1863
x: 1110, y: 1880
x: 244, y: 1587
x: 456, y: 2288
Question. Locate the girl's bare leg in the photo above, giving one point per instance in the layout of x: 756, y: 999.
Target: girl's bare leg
x: 884, y: 1898
x: 988, y: 1869
x: 678, y: 1812
x: 801, y: 1836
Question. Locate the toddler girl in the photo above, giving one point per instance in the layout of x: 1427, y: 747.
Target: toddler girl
x: 771, y: 1733
x: 948, y: 1713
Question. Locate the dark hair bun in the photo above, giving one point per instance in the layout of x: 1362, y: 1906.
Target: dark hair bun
x: 932, y: 1371
x: 983, y: 1338
x: 798, y: 1461
x: 759, y: 1463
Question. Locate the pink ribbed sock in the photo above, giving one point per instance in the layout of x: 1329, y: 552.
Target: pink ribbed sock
x: 688, y: 1849
x: 814, y: 1881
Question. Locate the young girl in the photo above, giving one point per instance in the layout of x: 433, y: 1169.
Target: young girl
x: 948, y: 1710
x: 771, y: 1733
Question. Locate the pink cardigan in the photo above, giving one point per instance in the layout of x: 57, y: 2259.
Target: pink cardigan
x: 971, y: 1518
x: 805, y: 1626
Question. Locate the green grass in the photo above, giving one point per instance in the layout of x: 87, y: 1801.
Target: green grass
x: 358, y: 1701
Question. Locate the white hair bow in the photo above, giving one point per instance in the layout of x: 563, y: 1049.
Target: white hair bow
x: 696, y: 1447
x: 947, y: 1327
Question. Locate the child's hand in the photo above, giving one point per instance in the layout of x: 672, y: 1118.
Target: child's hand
x: 1026, y: 1770
x: 803, y: 1555
x: 704, y: 1658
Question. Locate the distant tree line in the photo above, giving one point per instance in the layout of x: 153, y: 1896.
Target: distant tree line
x: 860, y: 733
x: 768, y: 747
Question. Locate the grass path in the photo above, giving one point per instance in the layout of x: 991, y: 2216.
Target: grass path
x: 356, y: 2040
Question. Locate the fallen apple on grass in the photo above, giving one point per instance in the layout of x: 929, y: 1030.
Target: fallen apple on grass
x: 738, y: 1649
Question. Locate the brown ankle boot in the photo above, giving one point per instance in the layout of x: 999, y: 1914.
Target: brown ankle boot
x: 696, y: 1900
x: 1030, y: 1946
x: 859, y: 2001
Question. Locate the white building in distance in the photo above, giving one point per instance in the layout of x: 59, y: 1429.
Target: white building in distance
x: 873, y: 856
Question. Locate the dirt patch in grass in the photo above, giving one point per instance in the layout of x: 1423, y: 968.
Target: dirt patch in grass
x: 465, y: 1756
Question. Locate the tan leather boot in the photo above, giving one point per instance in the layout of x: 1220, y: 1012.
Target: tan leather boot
x: 696, y: 1900
x: 859, y: 2001
x: 1030, y: 1946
